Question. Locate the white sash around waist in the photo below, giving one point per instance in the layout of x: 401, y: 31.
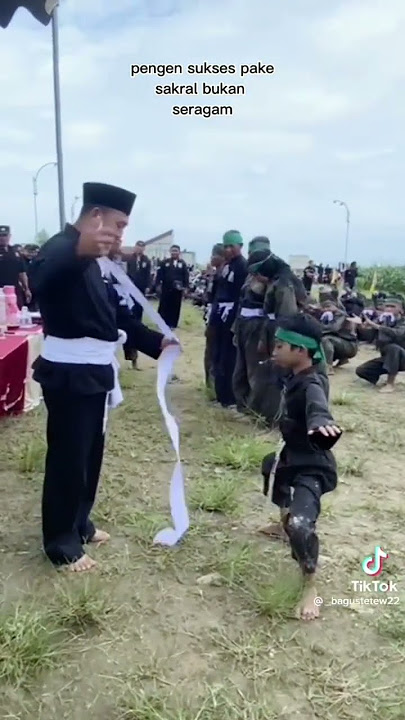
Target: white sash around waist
x: 251, y: 312
x: 87, y: 351
x: 224, y: 309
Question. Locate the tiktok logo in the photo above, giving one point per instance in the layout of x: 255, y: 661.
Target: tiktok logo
x: 373, y: 565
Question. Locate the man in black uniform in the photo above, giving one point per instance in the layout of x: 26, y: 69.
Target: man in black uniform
x: 223, y: 314
x: 82, y: 312
x: 309, y: 276
x: 339, y: 336
x: 285, y: 296
x: 217, y: 262
x: 12, y: 268
x: 139, y: 270
x: 172, y: 279
x: 247, y: 328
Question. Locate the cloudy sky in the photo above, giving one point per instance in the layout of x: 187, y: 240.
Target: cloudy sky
x: 328, y: 124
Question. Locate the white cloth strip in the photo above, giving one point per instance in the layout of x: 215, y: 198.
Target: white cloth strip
x: 171, y: 535
x: 225, y: 308
x: 271, y: 316
x: 251, y: 312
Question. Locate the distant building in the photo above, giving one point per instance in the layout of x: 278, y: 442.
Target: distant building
x: 298, y: 263
x: 159, y: 248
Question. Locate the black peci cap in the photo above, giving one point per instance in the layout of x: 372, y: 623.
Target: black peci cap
x: 4, y: 230
x: 108, y: 196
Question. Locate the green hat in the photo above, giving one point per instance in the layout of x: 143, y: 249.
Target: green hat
x: 394, y: 299
x: 259, y: 243
x: 232, y: 237
x: 218, y: 249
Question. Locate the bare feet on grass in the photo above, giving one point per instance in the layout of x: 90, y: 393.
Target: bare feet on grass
x: 100, y: 537
x: 83, y: 564
x: 386, y: 389
x: 274, y: 531
x: 310, y: 605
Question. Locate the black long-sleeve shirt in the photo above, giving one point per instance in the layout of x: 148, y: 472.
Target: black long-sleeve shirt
x: 305, y: 408
x: 172, y: 275
x: 139, y: 270
x: 228, y: 288
x: 76, y: 301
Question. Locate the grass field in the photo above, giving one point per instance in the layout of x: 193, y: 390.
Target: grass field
x: 204, y: 631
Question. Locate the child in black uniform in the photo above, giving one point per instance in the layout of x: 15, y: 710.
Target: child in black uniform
x: 305, y: 468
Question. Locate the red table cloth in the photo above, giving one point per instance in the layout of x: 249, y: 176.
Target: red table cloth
x: 15, y: 371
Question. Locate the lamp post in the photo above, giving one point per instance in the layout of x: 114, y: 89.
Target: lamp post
x: 58, y: 113
x: 72, y: 209
x: 346, y: 207
x: 35, y: 192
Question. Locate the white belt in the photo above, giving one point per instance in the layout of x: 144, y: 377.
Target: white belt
x: 225, y: 308
x: 87, y: 351
x: 251, y: 312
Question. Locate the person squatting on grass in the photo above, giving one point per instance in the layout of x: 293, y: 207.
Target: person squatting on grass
x: 306, y: 468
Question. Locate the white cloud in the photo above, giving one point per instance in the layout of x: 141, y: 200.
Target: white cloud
x: 85, y: 135
x: 356, y: 156
x: 355, y: 25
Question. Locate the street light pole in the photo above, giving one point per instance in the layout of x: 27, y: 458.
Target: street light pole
x: 58, y: 121
x: 346, y: 207
x: 35, y: 193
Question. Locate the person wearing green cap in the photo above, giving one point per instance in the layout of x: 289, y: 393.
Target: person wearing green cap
x: 259, y: 243
x: 223, y: 314
x: 305, y: 468
x: 339, y: 335
x: 285, y: 296
x: 248, y: 327
x: 390, y: 342
x: 216, y: 264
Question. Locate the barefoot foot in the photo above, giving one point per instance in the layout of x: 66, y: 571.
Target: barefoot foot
x: 386, y: 389
x: 100, y: 537
x: 274, y: 531
x: 308, y: 608
x: 83, y: 564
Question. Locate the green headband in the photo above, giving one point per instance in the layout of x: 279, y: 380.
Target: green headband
x: 303, y: 341
x: 232, y: 237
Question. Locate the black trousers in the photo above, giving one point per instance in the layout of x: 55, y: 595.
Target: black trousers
x: 245, y: 382
x: 73, y: 463
x: 391, y: 362
x: 337, y: 348
x: 170, y: 307
x: 298, y: 491
x: 129, y: 352
x: 224, y: 359
x: 209, y: 355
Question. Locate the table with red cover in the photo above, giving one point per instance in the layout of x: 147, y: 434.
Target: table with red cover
x: 18, y: 391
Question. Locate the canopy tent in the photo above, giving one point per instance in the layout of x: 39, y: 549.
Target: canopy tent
x: 44, y: 11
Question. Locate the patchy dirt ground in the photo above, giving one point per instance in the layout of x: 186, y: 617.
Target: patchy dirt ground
x: 148, y: 635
